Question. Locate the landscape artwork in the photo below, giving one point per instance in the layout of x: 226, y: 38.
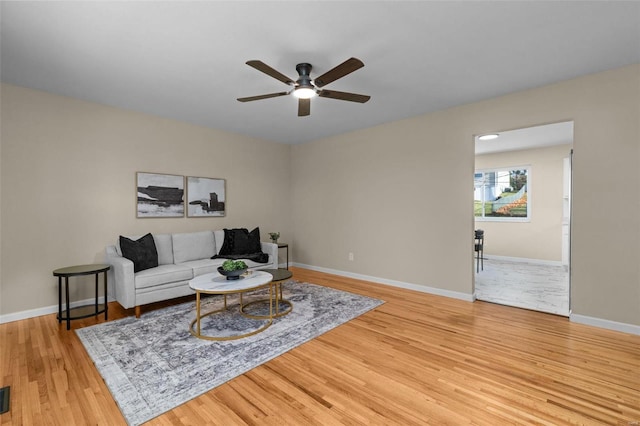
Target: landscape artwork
x: 205, y: 197
x: 160, y: 195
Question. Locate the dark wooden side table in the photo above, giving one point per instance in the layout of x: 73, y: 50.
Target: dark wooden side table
x: 84, y: 311
x: 285, y: 245
x: 279, y: 277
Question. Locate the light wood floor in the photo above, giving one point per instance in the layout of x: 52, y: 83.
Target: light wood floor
x: 418, y: 359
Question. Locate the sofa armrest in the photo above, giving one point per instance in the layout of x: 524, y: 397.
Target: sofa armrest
x: 123, y: 278
x: 272, y: 250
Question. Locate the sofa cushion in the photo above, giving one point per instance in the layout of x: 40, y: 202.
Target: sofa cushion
x: 218, y: 236
x: 256, y: 265
x: 164, y: 245
x: 193, y: 246
x: 141, y: 252
x: 162, y: 274
x: 131, y: 237
x: 241, y: 241
x: 207, y: 266
x: 203, y: 266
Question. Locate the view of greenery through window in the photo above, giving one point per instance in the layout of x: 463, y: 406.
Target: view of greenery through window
x: 501, y: 193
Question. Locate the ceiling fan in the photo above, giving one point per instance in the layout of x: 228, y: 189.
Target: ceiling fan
x: 305, y: 88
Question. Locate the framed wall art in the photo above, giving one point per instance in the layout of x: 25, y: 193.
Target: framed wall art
x: 205, y: 197
x: 159, y: 195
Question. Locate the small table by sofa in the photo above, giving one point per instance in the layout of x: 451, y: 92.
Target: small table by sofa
x: 214, y: 283
x: 84, y: 311
x: 279, y: 276
x: 285, y: 245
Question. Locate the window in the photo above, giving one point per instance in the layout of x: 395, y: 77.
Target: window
x: 502, y: 194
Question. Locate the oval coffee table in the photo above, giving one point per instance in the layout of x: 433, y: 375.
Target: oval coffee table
x: 214, y: 283
x: 279, y: 277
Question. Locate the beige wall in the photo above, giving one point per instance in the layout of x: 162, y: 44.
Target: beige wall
x: 541, y: 237
x: 69, y: 178
x: 390, y: 195
x: 400, y: 195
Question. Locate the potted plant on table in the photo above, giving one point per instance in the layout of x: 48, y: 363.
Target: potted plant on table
x: 232, y: 269
x: 274, y: 237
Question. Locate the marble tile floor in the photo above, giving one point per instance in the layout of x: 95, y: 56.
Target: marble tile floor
x: 533, y: 286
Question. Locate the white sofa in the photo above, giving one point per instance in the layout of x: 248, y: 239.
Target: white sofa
x: 181, y: 257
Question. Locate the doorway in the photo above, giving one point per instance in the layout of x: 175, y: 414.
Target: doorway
x: 522, y: 201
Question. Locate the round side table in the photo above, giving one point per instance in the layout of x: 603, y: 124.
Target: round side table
x: 84, y: 311
x: 284, y: 245
x: 279, y: 277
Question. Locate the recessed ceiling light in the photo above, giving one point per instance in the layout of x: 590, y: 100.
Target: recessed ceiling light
x: 488, y: 137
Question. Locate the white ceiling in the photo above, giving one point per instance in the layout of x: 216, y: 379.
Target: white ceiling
x: 186, y: 60
x: 528, y: 138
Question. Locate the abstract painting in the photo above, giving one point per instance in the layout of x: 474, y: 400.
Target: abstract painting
x: 205, y: 197
x: 160, y: 195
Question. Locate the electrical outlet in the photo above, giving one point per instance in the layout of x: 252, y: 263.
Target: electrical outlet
x: 351, y: 256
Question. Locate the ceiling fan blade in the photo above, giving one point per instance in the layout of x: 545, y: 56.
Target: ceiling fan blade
x: 261, y: 66
x: 304, y: 107
x: 344, y: 96
x: 347, y: 67
x: 267, y: 96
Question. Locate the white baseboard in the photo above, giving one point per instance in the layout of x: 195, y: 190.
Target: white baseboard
x: 582, y: 319
x: 602, y: 323
x: 409, y: 286
x: 53, y: 309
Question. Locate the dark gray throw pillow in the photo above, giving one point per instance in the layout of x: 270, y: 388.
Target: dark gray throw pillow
x: 141, y: 252
x: 241, y: 241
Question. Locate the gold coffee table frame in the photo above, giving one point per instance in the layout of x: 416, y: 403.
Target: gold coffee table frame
x: 279, y: 276
x: 215, y: 283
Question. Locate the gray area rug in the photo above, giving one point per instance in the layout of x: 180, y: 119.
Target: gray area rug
x: 153, y: 364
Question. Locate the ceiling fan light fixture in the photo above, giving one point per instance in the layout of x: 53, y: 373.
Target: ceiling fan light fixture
x: 305, y: 88
x: 488, y: 137
x: 305, y: 92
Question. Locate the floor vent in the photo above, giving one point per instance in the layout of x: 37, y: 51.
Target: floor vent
x: 4, y: 399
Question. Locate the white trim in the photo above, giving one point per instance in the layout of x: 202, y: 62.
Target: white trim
x: 524, y: 260
x: 579, y: 319
x: 409, y: 286
x: 53, y: 309
x: 596, y: 322
x: 503, y: 219
x: 528, y: 191
x: 603, y: 323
